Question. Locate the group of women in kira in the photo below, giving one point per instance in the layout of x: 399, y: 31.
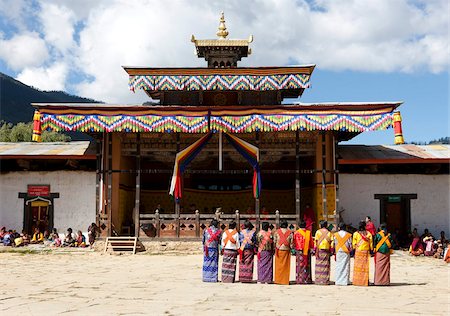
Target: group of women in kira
x: 280, y: 244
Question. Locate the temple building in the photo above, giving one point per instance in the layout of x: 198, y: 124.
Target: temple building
x: 223, y: 140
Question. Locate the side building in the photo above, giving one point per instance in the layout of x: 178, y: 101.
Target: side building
x: 54, y: 184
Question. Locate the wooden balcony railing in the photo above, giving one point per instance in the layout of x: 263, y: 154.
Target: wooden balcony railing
x: 192, y: 225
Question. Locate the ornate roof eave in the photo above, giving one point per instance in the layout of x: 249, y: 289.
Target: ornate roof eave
x: 202, y: 71
x: 348, y: 119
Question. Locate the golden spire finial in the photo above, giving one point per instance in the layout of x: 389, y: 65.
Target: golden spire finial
x: 222, y: 33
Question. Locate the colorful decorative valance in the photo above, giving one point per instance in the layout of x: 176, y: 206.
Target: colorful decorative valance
x: 219, y: 82
x: 236, y: 119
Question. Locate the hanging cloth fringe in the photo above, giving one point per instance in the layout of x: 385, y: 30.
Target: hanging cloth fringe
x: 36, y: 127
x: 251, y: 154
x: 182, y: 159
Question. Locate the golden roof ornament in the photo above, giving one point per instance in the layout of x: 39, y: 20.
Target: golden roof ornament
x: 222, y: 33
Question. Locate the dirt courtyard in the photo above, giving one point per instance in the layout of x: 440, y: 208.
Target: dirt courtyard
x: 97, y: 284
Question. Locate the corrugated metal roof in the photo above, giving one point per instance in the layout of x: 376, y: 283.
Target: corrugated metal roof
x: 388, y: 153
x: 78, y: 148
x: 349, y: 153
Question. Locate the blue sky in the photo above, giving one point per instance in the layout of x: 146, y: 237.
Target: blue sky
x: 374, y: 50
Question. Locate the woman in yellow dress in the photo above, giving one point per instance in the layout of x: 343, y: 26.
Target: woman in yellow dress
x: 363, y: 244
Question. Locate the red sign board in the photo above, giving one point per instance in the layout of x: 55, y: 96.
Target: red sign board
x: 38, y: 190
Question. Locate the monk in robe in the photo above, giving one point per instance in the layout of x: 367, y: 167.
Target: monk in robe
x: 283, y: 244
x: 38, y: 237
x: 416, y: 248
x: 383, y: 242
x: 303, y: 244
x: 211, y: 237
x: 323, y: 243
x: 265, y: 254
x: 247, y: 239
x: 363, y: 245
x: 343, y: 247
x: 230, y: 245
x: 309, y: 217
x: 370, y: 226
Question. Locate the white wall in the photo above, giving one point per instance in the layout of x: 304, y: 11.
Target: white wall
x: 74, y: 208
x: 430, y: 210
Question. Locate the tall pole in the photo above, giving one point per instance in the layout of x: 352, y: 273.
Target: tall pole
x: 336, y: 180
x: 324, y: 180
x: 177, y: 201
x: 297, y: 177
x: 257, y: 206
x: 137, y: 223
x: 220, y: 151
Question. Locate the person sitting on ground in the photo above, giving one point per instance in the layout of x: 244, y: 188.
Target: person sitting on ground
x: 81, y: 240
x: 428, y: 240
x: 442, y: 240
x: 7, y: 241
x: 22, y: 240
x: 38, y: 237
x: 25, y: 237
x: 416, y: 248
x: 69, y: 241
x: 54, y: 237
x: 2, y: 233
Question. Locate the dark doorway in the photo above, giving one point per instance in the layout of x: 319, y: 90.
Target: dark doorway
x: 38, y: 211
x: 395, y: 211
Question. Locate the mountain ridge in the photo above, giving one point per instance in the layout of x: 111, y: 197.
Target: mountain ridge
x: 16, y: 98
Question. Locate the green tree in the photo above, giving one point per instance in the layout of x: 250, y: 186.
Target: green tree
x: 22, y: 132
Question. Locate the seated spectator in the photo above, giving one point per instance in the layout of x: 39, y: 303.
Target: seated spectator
x: 81, y: 240
x: 38, y: 237
x: 7, y: 238
x: 54, y: 238
x: 442, y: 240
x: 69, y: 241
x: 2, y: 233
x: 416, y: 248
x: 22, y: 240
x: 429, y: 245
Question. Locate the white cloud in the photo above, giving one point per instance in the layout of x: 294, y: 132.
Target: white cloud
x: 24, y: 50
x: 45, y: 78
x: 370, y: 36
x: 58, y: 26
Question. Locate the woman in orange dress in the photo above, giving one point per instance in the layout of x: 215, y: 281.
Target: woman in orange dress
x: 363, y: 245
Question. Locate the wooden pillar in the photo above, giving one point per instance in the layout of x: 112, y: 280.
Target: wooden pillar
x: 336, y: 178
x: 109, y: 170
x: 297, y: 177
x: 98, y: 177
x: 177, y: 201
x: 257, y: 206
x: 324, y: 176
x: 137, y: 222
